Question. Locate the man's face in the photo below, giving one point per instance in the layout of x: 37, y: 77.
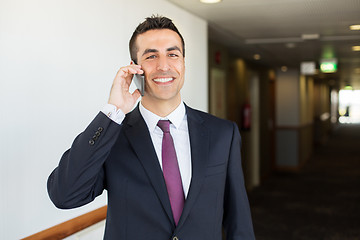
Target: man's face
x: 160, y: 55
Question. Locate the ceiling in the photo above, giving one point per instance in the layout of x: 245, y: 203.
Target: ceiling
x: 287, y: 32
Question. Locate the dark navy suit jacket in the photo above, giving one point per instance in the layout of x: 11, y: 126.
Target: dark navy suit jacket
x: 122, y: 160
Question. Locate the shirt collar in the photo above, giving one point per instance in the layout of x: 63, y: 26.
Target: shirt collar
x: 152, y: 119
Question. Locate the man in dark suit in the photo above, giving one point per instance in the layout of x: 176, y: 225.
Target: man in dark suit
x: 171, y: 172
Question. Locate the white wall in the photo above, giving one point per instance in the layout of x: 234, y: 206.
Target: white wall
x: 57, y: 63
x: 94, y: 232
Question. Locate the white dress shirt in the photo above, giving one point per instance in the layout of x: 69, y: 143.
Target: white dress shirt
x: 178, y: 130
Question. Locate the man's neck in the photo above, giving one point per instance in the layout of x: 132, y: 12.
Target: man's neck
x: 161, y: 108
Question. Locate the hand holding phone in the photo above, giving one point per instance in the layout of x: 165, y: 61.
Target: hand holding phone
x: 119, y: 93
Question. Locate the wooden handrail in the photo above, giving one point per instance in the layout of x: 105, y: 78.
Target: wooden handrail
x: 70, y: 227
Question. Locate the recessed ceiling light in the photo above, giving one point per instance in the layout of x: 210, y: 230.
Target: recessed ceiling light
x: 257, y: 56
x: 312, y: 36
x: 284, y: 68
x: 355, y: 27
x: 356, y: 48
x: 290, y: 45
x: 210, y: 1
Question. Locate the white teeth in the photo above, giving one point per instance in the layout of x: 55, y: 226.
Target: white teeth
x: 163, y: 80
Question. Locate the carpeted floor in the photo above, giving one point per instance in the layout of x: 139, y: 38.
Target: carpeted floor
x: 322, y: 201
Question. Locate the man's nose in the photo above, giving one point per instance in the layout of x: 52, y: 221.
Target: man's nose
x: 163, y: 64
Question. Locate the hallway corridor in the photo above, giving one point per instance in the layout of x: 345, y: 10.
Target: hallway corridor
x: 322, y: 201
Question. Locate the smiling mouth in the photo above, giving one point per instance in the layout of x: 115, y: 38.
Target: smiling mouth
x: 163, y: 80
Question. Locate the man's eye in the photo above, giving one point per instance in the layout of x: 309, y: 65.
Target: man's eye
x: 173, y: 55
x: 151, y: 57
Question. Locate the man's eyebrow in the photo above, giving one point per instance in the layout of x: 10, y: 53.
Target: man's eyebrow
x: 173, y: 48
x: 152, y: 50
x: 149, y: 50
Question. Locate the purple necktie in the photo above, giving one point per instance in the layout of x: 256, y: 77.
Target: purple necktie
x: 171, y: 171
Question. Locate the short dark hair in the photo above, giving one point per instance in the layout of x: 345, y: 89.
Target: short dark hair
x: 152, y: 23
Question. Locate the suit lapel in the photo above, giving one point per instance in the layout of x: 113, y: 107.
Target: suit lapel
x: 199, y: 143
x: 140, y: 140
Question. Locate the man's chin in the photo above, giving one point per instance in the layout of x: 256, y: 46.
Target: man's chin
x: 161, y: 96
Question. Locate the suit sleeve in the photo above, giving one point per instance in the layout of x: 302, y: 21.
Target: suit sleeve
x: 237, y: 216
x: 79, y: 177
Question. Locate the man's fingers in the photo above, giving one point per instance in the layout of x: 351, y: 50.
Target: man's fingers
x: 125, y: 74
x: 119, y: 93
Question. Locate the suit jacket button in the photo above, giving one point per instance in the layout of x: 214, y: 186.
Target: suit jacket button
x: 91, y: 142
x: 175, y: 238
x: 100, y: 129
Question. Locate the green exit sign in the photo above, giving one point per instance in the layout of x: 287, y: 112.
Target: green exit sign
x: 328, y: 65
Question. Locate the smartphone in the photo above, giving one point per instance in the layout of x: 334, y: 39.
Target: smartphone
x: 139, y: 81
